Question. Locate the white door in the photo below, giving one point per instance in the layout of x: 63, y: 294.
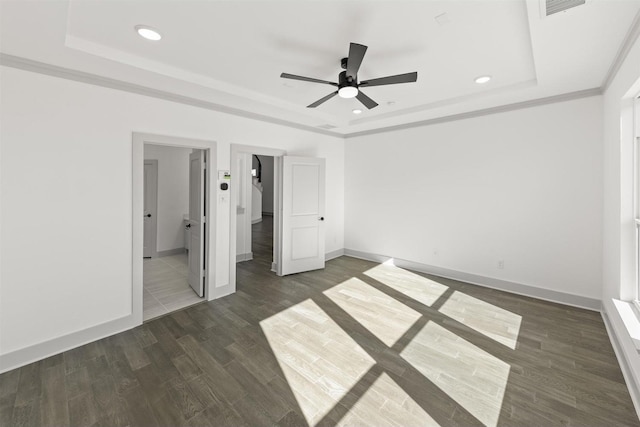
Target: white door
x: 197, y: 220
x: 302, y: 215
x: 150, y: 208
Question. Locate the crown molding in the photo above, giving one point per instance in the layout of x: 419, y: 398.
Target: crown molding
x: 94, y: 79
x: 625, y: 47
x: 485, y: 112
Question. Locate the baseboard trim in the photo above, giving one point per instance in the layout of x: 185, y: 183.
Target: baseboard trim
x: 255, y: 221
x: 333, y: 254
x: 487, y: 282
x: 169, y: 252
x: 24, y: 356
x: 632, y: 385
x: 244, y: 257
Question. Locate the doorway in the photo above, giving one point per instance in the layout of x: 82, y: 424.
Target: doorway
x: 298, y: 213
x: 262, y: 207
x: 254, y: 233
x: 172, y: 272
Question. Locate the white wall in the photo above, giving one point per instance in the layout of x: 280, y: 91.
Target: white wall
x: 67, y: 172
x: 173, y: 193
x: 523, y: 186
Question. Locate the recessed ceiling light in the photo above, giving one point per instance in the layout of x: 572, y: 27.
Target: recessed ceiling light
x: 148, y: 32
x: 357, y: 111
x: 483, y: 79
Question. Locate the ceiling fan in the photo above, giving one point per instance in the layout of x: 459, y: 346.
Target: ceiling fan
x: 348, y: 86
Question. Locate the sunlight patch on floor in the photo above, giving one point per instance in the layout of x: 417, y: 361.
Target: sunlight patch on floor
x: 385, y: 403
x: 490, y: 320
x: 384, y: 316
x: 470, y: 376
x: 320, y: 361
x: 414, y: 286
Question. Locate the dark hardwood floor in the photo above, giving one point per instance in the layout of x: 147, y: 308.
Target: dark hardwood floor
x: 305, y: 348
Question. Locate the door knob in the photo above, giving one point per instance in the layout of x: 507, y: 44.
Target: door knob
x: 187, y: 226
x: 148, y: 215
x: 321, y: 218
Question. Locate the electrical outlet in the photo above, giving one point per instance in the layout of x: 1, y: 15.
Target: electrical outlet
x: 500, y: 264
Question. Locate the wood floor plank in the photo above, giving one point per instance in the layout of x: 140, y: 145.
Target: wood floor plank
x: 53, y: 404
x: 9, y: 382
x: 106, y: 396
x: 151, y: 382
x: 202, y: 388
x: 184, y: 397
x: 292, y: 419
x: 78, y: 382
x: 167, y: 412
x: 25, y: 415
x: 188, y: 370
x: 252, y: 412
x: 281, y: 351
x: 161, y: 362
x: 82, y: 411
x: 144, y: 336
x: 215, y: 374
x: 138, y: 410
x: 134, y: 353
x: 165, y: 339
x: 123, y: 377
x: 29, y: 384
x: 275, y: 406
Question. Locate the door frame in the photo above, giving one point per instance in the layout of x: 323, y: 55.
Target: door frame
x: 154, y: 237
x: 277, y: 154
x: 137, y: 211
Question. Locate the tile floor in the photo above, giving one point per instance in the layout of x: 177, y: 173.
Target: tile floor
x: 165, y: 286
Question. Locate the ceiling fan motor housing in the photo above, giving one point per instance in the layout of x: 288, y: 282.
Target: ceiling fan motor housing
x: 344, y: 81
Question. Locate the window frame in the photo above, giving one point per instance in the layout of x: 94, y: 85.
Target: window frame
x: 636, y: 195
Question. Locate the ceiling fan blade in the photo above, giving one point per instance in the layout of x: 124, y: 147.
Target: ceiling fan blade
x: 306, y: 79
x: 356, y: 54
x: 322, y: 100
x: 391, y: 80
x: 366, y: 101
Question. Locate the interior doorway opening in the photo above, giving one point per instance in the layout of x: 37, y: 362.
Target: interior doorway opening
x: 255, y: 233
x: 262, y: 208
x: 174, y: 228
x: 255, y: 210
x: 298, y: 211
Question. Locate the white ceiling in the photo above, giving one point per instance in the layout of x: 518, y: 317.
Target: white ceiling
x: 231, y: 53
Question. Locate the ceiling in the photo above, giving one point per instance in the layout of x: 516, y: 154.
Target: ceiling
x: 228, y: 55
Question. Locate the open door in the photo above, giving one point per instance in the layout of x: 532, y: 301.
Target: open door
x: 150, y: 189
x: 303, y: 192
x: 197, y: 220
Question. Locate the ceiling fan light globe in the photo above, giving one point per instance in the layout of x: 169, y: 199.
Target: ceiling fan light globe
x: 348, y: 92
